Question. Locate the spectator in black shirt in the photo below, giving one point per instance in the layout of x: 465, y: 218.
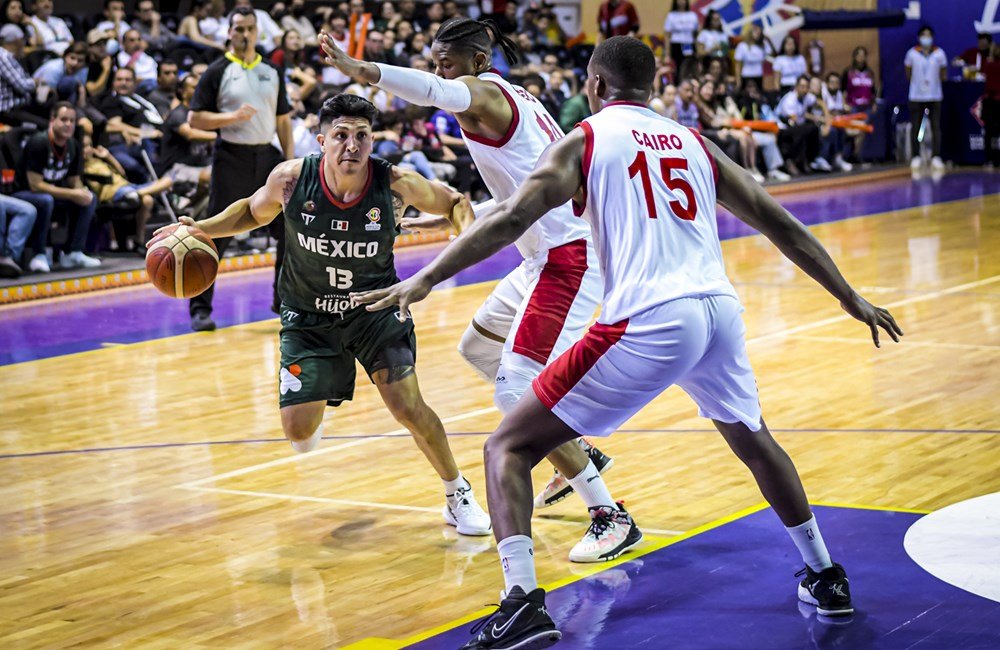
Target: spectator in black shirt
x: 164, y: 96
x: 50, y: 178
x: 100, y: 64
x: 186, y: 152
x: 132, y: 123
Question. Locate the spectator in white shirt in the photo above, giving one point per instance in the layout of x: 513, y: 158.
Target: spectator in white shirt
x: 52, y: 31
x: 114, y: 20
x: 926, y: 67
x: 799, y: 137
x: 268, y: 31
x: 133, y: 55
x: 750, y: 55
x: 712, y: 41
x: 789, y: 65
x: 679, y: 29
x: 298, y: 20
x: 192, y: 32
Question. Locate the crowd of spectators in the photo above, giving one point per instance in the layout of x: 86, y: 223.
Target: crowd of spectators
x: 125, y: 81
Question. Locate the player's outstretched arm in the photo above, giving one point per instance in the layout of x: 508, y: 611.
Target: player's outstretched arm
x: 255, y: 211
x: 478, y: 99
x: 555, y: 180
x: 450, y: 206
x: 745, y: 198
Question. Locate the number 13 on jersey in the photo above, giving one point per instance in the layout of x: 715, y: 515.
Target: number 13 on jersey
x: 685, y: 210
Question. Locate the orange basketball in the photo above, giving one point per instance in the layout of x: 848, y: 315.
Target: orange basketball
x: 182, y: 261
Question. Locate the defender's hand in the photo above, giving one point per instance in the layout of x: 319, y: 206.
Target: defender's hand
x: 338, y: 58
x: 403, y: 294
x: 874, y: 317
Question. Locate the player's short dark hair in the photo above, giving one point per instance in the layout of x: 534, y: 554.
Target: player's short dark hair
x: 477, y: 36
x: 628, y: 61
x: 344, y: 105
x: 107, y: 3
x: 925, y: 28
x: 58, y: 106
x: 242, y: 11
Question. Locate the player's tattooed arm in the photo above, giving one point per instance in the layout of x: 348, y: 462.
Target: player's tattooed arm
x: 259, y: 209
x: 398, y: 207
x: 557, y: 178
x: 443, y: 206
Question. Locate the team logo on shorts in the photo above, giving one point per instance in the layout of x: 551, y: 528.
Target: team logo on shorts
x: 289, y: 379
x: 374, y: 216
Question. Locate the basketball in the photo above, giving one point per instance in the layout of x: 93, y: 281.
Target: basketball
x: 182, y: 261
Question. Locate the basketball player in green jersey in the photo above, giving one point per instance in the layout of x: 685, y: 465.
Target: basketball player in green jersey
x: 340, y: 223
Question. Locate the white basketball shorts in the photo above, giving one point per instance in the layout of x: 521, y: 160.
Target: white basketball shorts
x: 615, y: 370
x: 544, y: 306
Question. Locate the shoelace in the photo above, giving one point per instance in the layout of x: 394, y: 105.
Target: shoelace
x: 801, y: 572
x: 481, y: 625
x: 600, y: 522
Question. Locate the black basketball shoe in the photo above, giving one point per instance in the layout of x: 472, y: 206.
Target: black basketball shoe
x: 520, y: 622
x: 828, y: 590
x: 558, y: 488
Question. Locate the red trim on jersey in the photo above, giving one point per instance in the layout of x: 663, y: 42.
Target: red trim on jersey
x: 559, y: 377
x: 585, y: 164
x: 550, y: 302
x: 711, y: 159
x: 489, y: 142
x: 332, y: 199
x: 625, y: 103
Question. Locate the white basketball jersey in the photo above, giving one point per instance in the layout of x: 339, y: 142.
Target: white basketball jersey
x: 505, y: 164
x: 650, y: 201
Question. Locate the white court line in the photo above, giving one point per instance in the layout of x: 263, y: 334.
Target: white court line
x: 892, y: 305
x: 325, y: 450
x: 385, y: 506
x: 925, y: 344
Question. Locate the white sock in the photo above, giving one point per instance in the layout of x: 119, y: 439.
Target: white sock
x: 453, y: 486
x: 592, y: 490
x: 810, y: 543
x: 310, y: 443
x: 517, y: 557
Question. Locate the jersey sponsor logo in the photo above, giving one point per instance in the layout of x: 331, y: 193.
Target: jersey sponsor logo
x: 337, y: 224
x: 289, y: 379
x: 374, y: 216
x: 307, y: 218
x: 335, y: 248
x: 334, y: 304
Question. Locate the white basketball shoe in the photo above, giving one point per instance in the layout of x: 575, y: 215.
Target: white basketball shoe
x: 612, y: 532
x: 559, y: 488
x: 463, y: 512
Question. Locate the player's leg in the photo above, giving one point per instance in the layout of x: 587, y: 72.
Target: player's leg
x: 554, y: 313
x: 483, y: 340
x: 387, y: 350
x: 570, y: 392
x: 723, y: 385
x: 314, y: 372
x: 303, y: 424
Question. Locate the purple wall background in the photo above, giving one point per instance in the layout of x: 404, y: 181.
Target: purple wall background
x: 953, y: 22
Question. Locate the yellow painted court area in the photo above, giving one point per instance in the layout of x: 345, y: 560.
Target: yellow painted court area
x: 166, y: 541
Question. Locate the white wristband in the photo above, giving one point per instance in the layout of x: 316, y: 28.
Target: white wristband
x: 424, y: 88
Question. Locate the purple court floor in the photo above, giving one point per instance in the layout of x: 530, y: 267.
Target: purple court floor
x: 734, y: 587
x: 38, y: 331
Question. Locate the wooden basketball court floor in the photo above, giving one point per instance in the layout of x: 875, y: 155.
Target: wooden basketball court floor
x: 147, y: 498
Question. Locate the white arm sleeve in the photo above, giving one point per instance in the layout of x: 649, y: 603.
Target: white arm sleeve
x: 424, y: 89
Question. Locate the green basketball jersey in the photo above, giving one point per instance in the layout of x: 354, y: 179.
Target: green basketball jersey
x: 334, y: 248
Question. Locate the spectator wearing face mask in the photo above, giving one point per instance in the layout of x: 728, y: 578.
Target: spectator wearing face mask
x: 296, y: 19
x: 926, y: 67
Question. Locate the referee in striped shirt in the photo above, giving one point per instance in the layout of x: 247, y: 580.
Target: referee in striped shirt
x: 243, y: 97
